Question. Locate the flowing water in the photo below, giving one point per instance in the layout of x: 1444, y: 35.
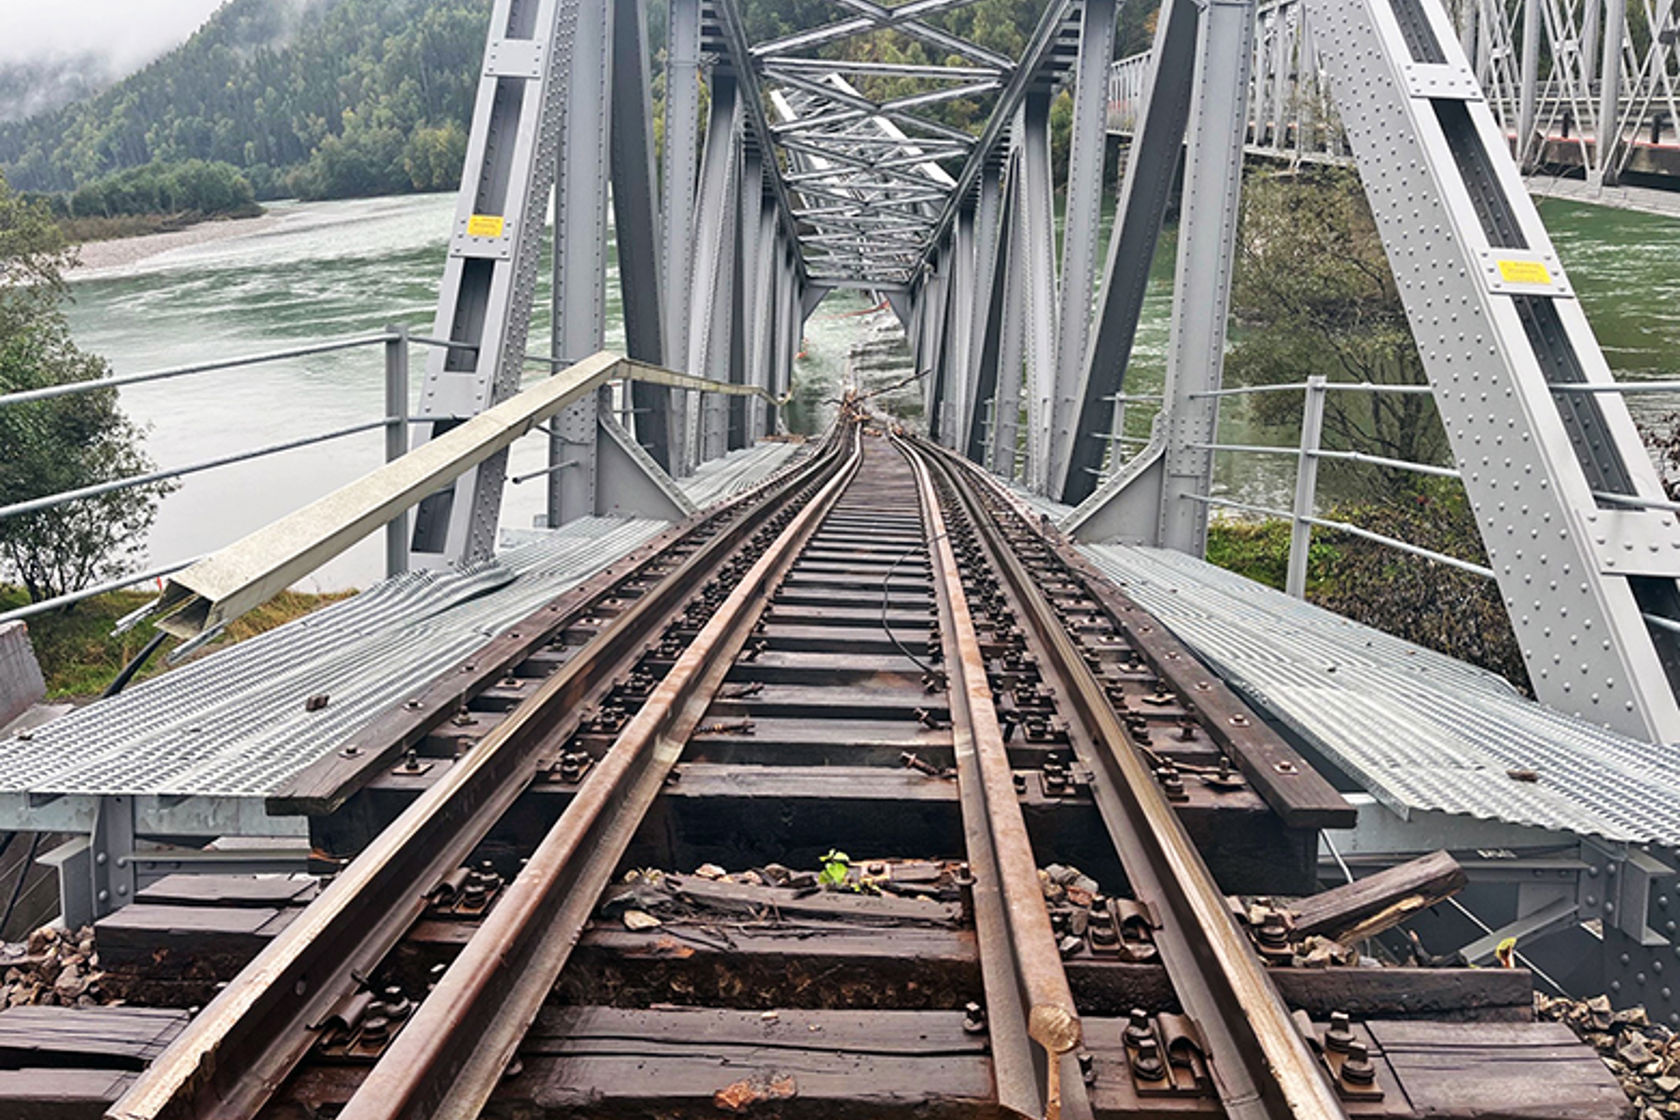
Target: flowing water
x: 318, y: 270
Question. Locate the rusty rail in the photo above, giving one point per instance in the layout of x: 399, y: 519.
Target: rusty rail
x: 238, y: 1051
x: 1027, y: 994
x: 1261, y: 1065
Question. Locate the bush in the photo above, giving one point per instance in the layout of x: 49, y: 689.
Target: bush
x: 194, y: 186
x: 1435, y: 606
x: 64, y: 443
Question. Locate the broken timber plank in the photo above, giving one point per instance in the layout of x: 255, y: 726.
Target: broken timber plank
x: 1366, y: 907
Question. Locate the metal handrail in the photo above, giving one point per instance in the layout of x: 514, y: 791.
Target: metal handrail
x: 50, y: 391
x: 1298, y: 386
x: 31, y: 609
x: 1342, y: 456
x: 1618, y: 387
x: 64, y: 497
x: 350, y: 342
x: 1355, y: 530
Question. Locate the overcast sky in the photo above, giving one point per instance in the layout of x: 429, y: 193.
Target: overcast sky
x: 128, y: 32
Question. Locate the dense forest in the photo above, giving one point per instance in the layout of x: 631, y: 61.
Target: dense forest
x: 322, y: 99
x: 334, y: 98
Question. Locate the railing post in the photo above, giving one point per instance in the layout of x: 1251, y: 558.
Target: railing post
x: 1306, y: 485
x: 396, y: 440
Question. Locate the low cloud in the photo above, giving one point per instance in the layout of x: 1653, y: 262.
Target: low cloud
x: 127, y: 34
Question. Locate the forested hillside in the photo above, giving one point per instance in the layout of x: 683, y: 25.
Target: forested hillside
x: 319, y: 98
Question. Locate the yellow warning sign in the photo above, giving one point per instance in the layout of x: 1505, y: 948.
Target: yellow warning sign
x: 1524, y: 272
x: 490, y: 225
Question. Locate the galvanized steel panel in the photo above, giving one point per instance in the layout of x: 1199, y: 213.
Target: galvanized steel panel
x: 233, y: 724
x: 1419, y: 730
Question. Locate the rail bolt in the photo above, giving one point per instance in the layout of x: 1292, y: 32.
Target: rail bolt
x: 1340, y: 1035
x: 1357, y: 1069
x: 1146, y: 1060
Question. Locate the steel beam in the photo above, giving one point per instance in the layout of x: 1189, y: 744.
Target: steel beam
x: 715, y: 219
x: 993, y: 258
x: 1609, y: 130
x: 1038, y: 268
x: 957, y: 368
x: 682, y: 147
x: 490, y: 275
x: 578, y: 326
x: 1146, y: 190
x: 1006, y: 407
x: 1082, y: 223
x: 1528, y: 146
x: 636, y: 224
x: 767, y: 250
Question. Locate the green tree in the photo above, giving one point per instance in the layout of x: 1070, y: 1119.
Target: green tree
x: 1314, y: 295
x: 63, y: 443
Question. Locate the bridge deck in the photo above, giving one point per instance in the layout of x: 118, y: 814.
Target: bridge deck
x: 1420, y: 731
x: 234, y: 724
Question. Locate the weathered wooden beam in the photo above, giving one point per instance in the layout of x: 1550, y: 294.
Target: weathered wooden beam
x: 1366, y: 907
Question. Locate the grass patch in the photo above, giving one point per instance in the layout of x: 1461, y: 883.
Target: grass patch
x: 1256, y: 549
x: 79, y: 657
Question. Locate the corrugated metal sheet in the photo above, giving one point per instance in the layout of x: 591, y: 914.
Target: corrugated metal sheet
x: 233, y: 724
x: 739, y: 470
x: 1419, y: 730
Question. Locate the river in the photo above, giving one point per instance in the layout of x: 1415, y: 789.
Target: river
x: 315, y: 270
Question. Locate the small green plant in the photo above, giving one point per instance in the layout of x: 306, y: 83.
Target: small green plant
x: 836, y: 866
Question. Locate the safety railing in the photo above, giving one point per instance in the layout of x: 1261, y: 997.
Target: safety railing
x: 1308, y: 454
x: 394, y: 340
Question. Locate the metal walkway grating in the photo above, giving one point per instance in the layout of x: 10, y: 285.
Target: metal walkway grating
x: 1419, y: 730
x: 233, y: 724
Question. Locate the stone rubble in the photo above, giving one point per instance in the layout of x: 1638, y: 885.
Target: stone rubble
x: 53, y: 968
x: 1644, y: 1056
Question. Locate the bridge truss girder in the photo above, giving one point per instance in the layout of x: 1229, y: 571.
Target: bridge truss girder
x: 708, y: 275
x: 807, y: 178
x: 1558, y: 74
x: 1567, y: 501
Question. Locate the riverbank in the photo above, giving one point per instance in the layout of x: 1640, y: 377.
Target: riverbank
x: 87, y: 230
x: 79, y: 657
x: 152, y: 234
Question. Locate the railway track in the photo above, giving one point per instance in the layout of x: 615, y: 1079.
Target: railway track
x: 877, y: 649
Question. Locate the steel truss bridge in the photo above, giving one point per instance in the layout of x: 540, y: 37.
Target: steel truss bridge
x: 785, y: 173
x: 1556, y: 74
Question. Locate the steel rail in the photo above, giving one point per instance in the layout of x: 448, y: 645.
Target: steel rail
x: 239, y: 1050
x: 1027, y: 995
x: 456, y: 1047
x: 1260, y: 1064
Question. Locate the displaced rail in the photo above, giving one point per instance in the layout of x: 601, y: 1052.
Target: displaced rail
x: 878, y: 651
